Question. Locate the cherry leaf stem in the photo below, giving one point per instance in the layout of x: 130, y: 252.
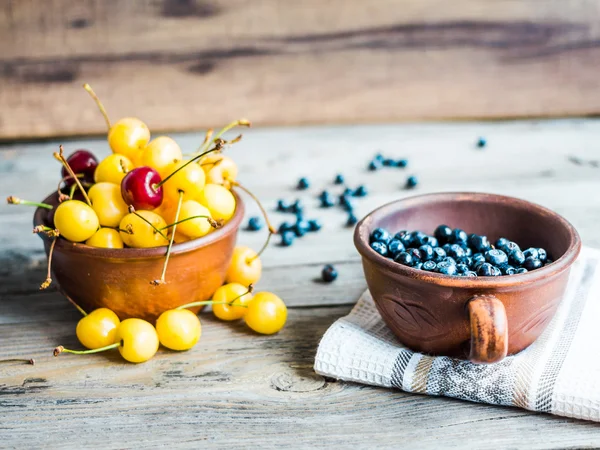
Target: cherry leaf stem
x: 164, y: 271
x: 208, y: 302
x: 61, y: 157
x: 12, y: 200
x: 217, y: 147
x: 60, y: 349
x: 90, y: 91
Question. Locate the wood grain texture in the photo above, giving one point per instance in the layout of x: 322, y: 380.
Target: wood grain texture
x: 182, y: 64
x: 239, y: 390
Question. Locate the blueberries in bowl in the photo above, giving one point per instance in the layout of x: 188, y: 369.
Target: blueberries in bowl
x: 453, y: 252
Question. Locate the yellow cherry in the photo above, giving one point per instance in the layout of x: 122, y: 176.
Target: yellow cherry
x: 137, y: 232
x: 266, y: 313
x: 160, y: 154
x: 128, y: 137
x: 189, y: 179
x: 75, y: 220
x: 219, y: 201
x: 219, y: 168
x: 193, y: 228
x: 113, y: 169
x: 179, y: 238
x: 98, y: 329
x: 225, y: 294
x: 105, y: 238
x: 178, y: 329
x: 108, y: 203
x: 138, y: 340
x: 245, y: 267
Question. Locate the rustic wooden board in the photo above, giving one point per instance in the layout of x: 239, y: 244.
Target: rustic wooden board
x: 182, y: 64
x: 239, y: 390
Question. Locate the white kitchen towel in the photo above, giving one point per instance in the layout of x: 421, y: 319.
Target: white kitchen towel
x: 557, y: 374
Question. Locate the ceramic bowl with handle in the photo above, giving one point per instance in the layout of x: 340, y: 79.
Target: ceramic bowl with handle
x: 119, y: 279
x: 484, y: 318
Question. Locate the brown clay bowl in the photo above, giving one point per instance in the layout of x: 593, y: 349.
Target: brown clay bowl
x: 119, y: 279
x: 482, y: 319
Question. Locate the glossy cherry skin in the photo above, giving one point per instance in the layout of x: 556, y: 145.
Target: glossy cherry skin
x: 82, y: 162
x: 138, y: 188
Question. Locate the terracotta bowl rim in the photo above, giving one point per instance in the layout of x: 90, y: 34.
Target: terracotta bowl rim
x: 144, y: 253
x: 361, y: 242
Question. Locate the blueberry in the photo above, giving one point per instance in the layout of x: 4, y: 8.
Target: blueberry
x: 443, y: 233
x: 303, y: 184
x: 360, y: 191
x: 481, y: 142
x: 433, y: 241
x: 297, y: 207
x: 479, y: 243
x: 522, y: 270
x: 449, y: 259
x: 411, y: 182
x: 426, y: 252
x: 405, y: 259
x: 516, y: 257
x: 438, y: 254
x: 462, y: 268
x: 375, y: 165
x: 496, y: 257
x: 402, y: 163
x: 301, y: 228
x: 478, y: 257
x: 506, y: 269
x: 501, y: 243
x: 395, y: 246
x: 255, y: 223
x: 406, y: 239
x: 389, y: 162
x: 470, y: 273
x: 456, y: 251
x: 287, y: 238
x: 285, y: 226
x: 380, y: 235
x: 446, y: 268
x: 328, y: 274
x: 314, y: 225
x: 531, y: 252
x: 346, y: 203
x: 548, y: 261
x: 532, y: 263
x: 510, y: 247
x: 468, y: 251
x: 351, y: 220
x: 419, y: 238
x: 380, y: 248
x: 458, y: 236
x: 326, y: 200
x: 446, y: 247
x: 415, y: 253
x: 429, y: 266
x: 282, y: 206
x: 400, y: 233
x: 419, y: 266
x: 542, y: 255
x: 476, y: 265
x: 487, y: 270
x: 511, y: 271
x: 339, y: 179
x: 467, y: 260
x: 378, y: 157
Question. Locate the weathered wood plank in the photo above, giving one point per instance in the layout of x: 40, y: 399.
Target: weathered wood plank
x: 183, y: 64
x: 234, y: 390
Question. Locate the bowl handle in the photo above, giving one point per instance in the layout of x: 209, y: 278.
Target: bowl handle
x: 489, y: 329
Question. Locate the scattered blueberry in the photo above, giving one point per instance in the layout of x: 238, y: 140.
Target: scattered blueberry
x: 346, y: 203
x: 303, y: 184
x: 301, y: 228
x: 429, y: 266
x: 351, y: 220
x: 326, y: 200
x: 443, y: 233
x: 360, y: 191
x: 496, y: 257
x: 297, y: 207
x: 282, y: 206
x: 481, y: 142
x: 378, y: 157
x: 285, y: 226
x: 314, y: 225
x: 328, y: 274
x: 411, y: 182
x: 287, y: 238
x: 339, y: 179
x: 255, y: 223
x: 375, y: 165
x: 380, y: 248
x: 388, y: 162
x: 402, y: 163
x: 532, y: 263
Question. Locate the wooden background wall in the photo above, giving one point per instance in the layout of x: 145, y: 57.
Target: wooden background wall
x: 185, y: 64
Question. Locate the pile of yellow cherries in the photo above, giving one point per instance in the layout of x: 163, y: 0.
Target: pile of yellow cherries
x: 146, y: 194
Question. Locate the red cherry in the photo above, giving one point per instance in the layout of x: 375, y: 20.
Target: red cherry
x: 140, y: 189
x: 82, y: 162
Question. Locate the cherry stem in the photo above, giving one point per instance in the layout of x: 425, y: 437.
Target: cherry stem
x: 213, y: 223
x: 61, y: 157
x: 48, y: 281
x: 72, y: 302
x: 133, y: 211
x: 263, y: 248
x: 72, y: 191
x: 12, y: 200
x: 218, y: 146
x: 164, y: 271
x: 60, y: 349
x: 90, y: 91
x: 209, y: 302
x: 206, y: 143
x: 28, y: 361
x: 50, y: 232
x: 62, y: 180
x: 207, y: 137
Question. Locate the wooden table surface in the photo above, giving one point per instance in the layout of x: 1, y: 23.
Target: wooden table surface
x: 236, y: 389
